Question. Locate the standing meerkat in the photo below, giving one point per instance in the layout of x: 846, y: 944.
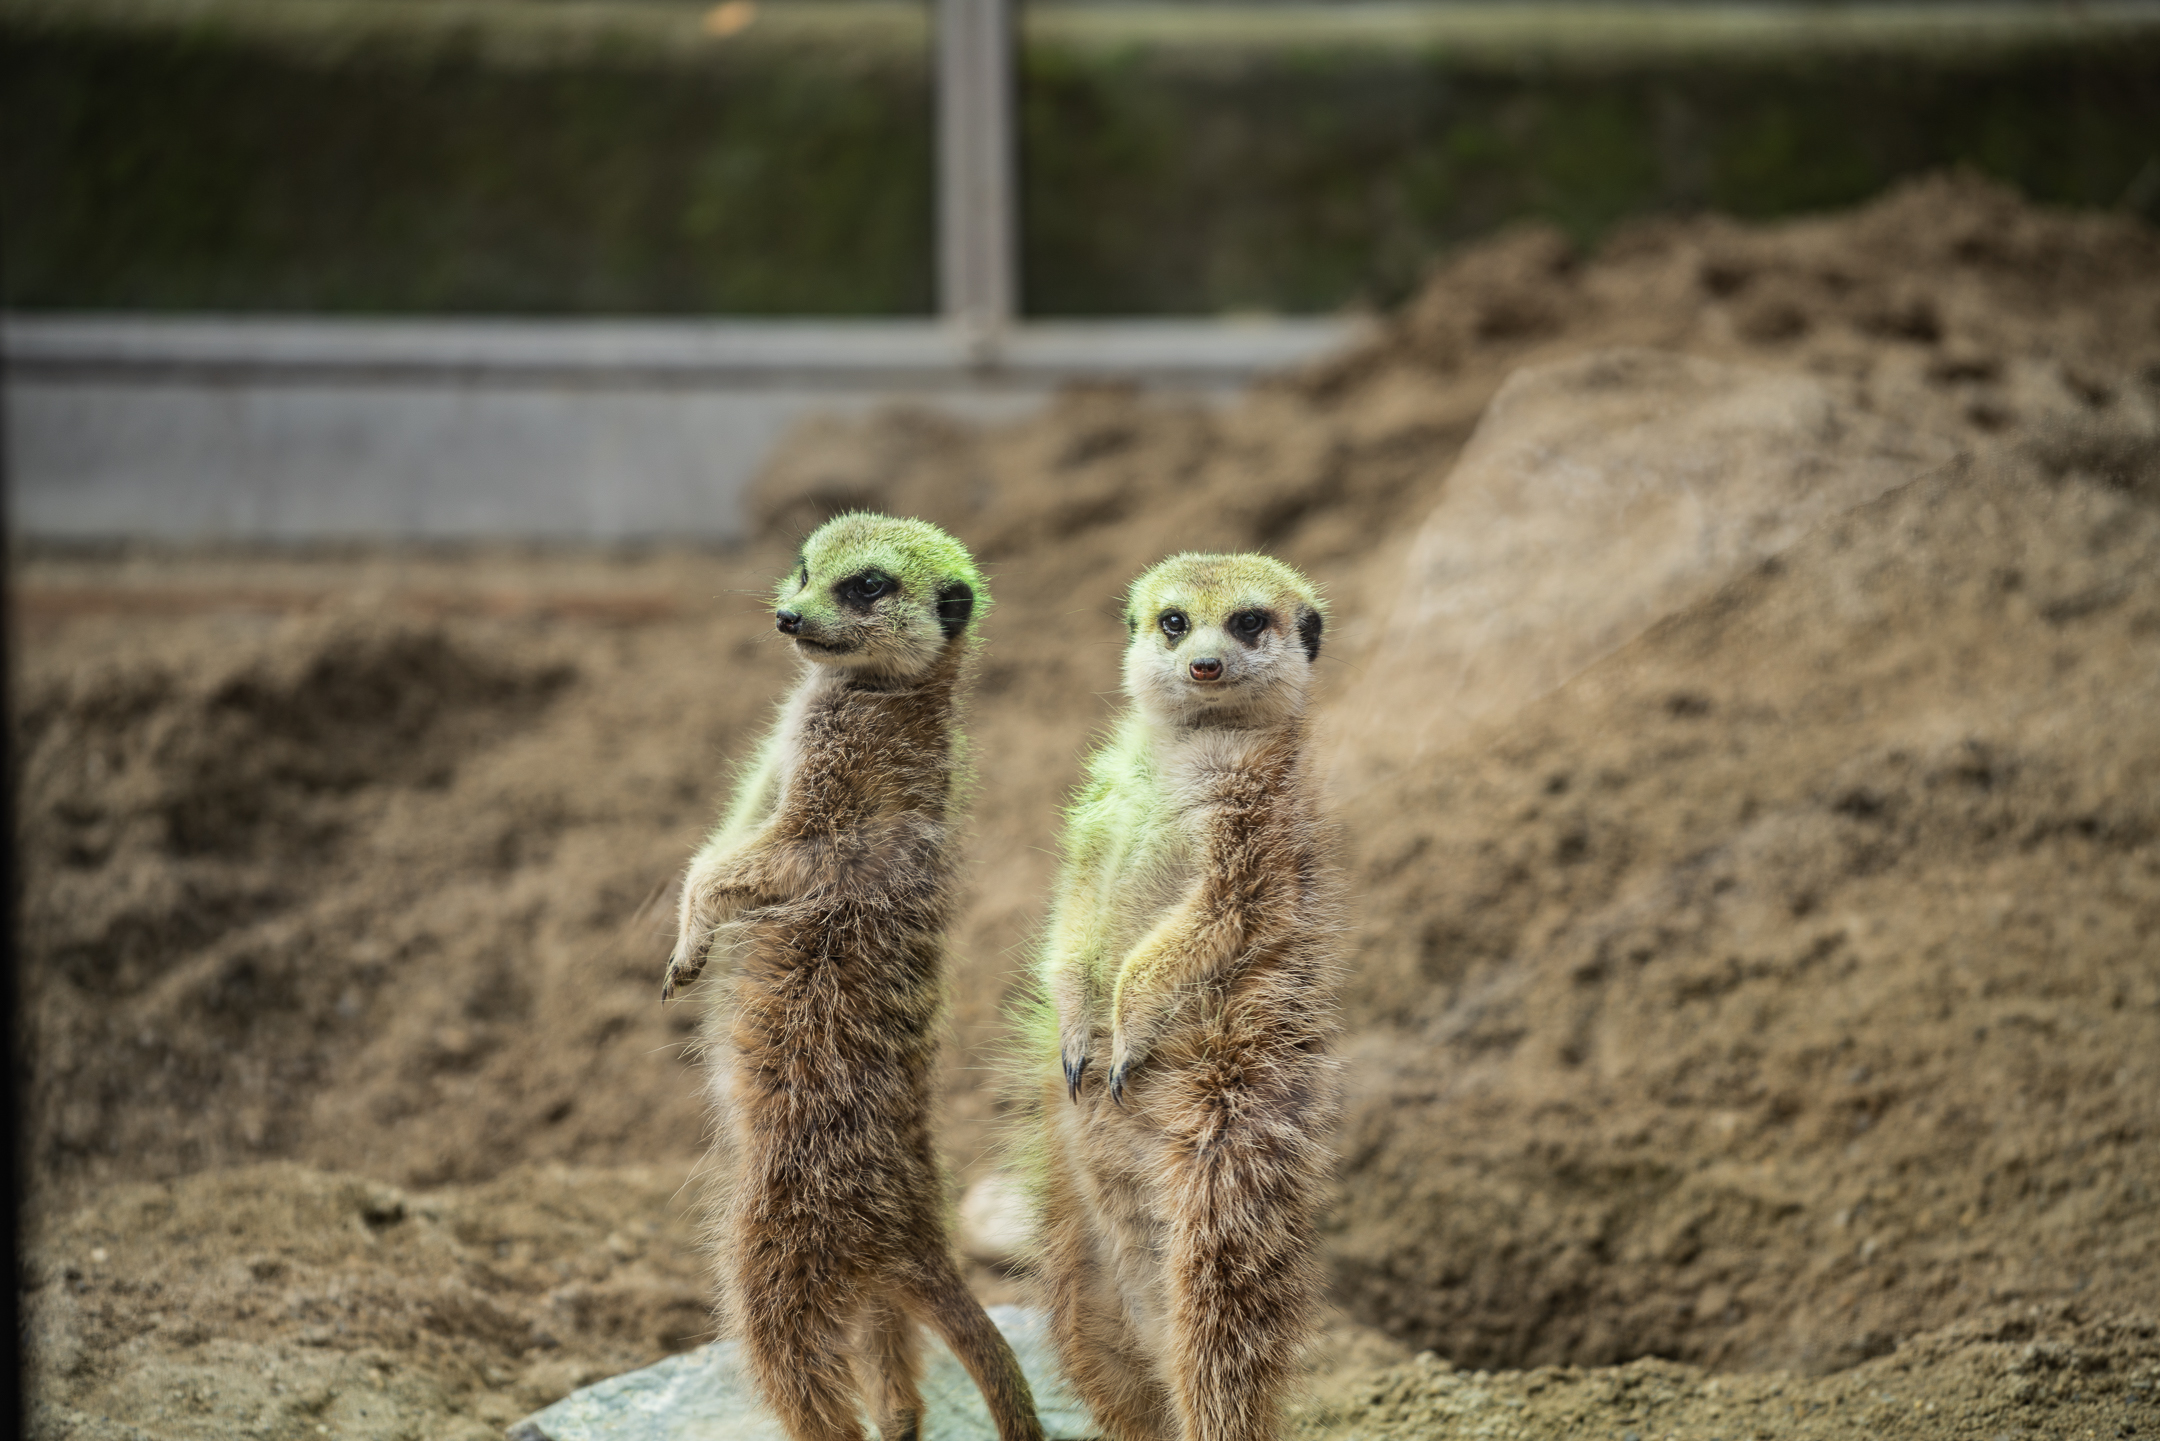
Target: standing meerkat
x: 830, y: 882
x: 1188, y: 975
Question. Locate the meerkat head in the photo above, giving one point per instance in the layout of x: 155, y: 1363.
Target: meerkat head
x: 878, y: 595
x: 1221, y: 640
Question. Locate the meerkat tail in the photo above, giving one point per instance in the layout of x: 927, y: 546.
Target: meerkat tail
x: 1241, y: 1287
x: 947, y: 1305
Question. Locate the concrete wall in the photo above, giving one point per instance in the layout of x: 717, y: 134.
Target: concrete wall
x: 307, y: 429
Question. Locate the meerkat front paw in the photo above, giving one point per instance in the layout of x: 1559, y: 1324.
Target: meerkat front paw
x: 1136, y: 1018
x: 1073, y: 1055
x: 685, y: 966
x: 694, y: 929
x: 694, y: 925
x: 1126, y: 1051
x: 709, y: 904
x: 1075, y: 1030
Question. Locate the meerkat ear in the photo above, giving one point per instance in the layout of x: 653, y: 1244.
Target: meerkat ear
x: 955, y: 604
x: 1308, y: 631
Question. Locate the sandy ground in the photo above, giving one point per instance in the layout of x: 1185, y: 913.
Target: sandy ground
x: 1772, y: 994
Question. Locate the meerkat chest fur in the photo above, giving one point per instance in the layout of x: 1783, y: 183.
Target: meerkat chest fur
x: 1201, y: 789
x: 852, y: 961
x: 855, y: 754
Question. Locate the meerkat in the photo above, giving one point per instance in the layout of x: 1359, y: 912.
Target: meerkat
x: 829, y: 883
x: 1187, y: 998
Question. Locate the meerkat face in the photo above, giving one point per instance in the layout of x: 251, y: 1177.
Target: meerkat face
x: 1221, y: 639
x: 878, y: 595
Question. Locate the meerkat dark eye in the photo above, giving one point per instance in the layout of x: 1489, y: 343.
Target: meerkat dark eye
x: 1249, y: 625
x: 1174, y: 625
x: 858, y: 591
x: 803, y: 579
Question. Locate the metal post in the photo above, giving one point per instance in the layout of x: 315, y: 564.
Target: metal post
x: 978, y: 259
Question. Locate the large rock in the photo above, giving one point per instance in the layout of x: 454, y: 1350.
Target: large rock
x: 705, y: 1395
x: 1596, y: 496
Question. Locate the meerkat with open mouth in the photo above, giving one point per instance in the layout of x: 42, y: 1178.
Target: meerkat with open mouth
x: 829, y: 884
x: 1188, y: 983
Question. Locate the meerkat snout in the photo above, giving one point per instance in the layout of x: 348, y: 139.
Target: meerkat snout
x: 789, y: 621
x: 1206, y: 668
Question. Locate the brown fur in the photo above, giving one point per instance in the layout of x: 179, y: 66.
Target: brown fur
x: 829, y: 1220
x: 1182, y: 1184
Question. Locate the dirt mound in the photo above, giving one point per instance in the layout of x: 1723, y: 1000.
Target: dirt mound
x: 1784, y: 985
x: 177, y: 806
x: 1598, y: 495
x: 273, y: 1299
x: 251, y: 760
x: 2060, y: 1369
x: 197, y: 820
x: 1979, y: 281
x: 1738, y: 1001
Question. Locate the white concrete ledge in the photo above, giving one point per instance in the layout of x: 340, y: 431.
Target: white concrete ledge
x: 632, y: 353
x: 201, y: 427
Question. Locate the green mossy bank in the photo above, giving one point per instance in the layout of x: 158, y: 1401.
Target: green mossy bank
x: 553, y: 156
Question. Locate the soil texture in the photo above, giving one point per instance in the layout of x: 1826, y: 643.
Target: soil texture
x: 1753, y: 1025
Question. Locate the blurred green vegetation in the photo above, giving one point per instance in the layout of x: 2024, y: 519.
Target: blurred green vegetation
x: 394, y: 158
x: 554, y: 156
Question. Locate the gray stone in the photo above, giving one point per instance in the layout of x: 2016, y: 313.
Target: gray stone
x: 705, y: 1395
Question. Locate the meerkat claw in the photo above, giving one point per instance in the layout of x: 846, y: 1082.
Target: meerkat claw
x: 1074, y: 1069
x: 1117, y: 1082
x: 679, y: 977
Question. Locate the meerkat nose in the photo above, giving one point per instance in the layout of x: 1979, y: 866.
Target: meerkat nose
x: 1207, y: 668
x: 789, y: 621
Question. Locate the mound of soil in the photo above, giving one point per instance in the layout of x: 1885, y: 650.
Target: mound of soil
x: 182, y: 809
x: 1784, y: 985
x: 2053, y: 1367
x: 1777, y: 991
x: 275, y: 1299
x: 302, y: 886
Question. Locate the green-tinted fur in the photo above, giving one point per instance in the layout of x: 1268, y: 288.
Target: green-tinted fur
x: 922, y: 558
x: 1230, y: 581
x: 1021, y: 1143
x: 1117, y: 824
x: 914, y: 552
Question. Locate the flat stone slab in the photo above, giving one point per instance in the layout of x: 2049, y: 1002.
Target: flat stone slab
x: 706, y: 1395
